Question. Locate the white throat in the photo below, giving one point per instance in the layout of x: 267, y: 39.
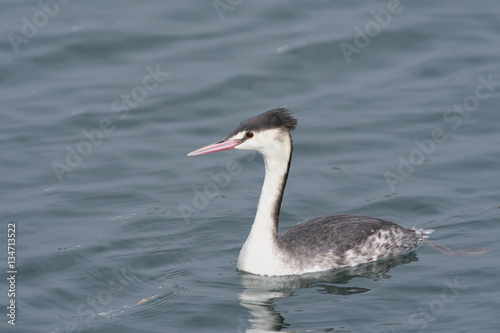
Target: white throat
x: 262, y: 251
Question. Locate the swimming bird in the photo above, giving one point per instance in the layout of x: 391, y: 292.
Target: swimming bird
x: 318, y: 244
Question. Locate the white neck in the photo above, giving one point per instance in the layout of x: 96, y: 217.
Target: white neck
x: 261, y: 252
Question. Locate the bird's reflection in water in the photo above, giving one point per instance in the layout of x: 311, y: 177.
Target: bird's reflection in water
x: 261, y: 292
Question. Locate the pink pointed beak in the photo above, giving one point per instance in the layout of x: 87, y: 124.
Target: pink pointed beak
x: 215, y: 147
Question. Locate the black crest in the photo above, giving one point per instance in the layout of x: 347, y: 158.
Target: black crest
x: 275, y: 118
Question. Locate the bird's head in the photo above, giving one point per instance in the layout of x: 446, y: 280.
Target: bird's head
x: 265, y: 133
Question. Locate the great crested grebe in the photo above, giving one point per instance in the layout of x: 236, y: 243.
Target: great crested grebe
x: 318, y: 244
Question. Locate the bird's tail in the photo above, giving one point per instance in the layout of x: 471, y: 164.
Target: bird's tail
x: 424, y: 233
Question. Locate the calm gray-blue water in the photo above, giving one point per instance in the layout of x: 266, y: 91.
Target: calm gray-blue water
x: 116, y: 230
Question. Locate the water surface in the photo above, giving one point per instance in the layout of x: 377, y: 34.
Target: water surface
x: 119, y: 231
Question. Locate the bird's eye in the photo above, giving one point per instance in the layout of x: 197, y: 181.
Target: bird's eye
x: 249, y: 135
